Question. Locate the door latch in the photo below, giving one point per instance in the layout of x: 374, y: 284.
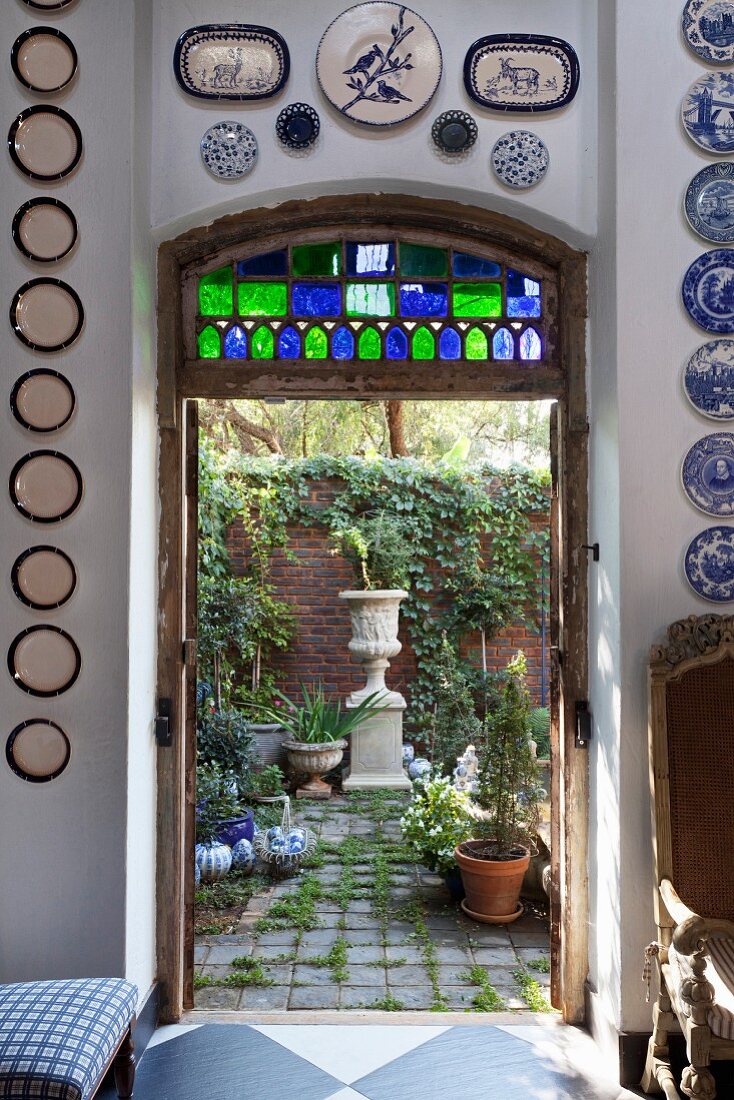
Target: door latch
x: 163, y: 724
x: 583, y: 724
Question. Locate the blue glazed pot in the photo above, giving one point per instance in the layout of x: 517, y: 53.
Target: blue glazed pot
x: 454, y: 884
x: 237, y: 828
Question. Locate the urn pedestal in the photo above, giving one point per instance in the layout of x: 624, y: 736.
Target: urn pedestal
x: 377, y: 744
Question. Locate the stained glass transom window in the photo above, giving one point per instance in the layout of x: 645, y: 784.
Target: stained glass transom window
x: 394, y: 300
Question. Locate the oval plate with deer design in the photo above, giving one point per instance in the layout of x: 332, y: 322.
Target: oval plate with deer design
x: 521, y: 72
x: 231, y: 61
x: 379, y: 63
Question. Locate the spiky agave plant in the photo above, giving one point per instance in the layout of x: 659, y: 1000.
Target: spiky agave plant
x: 317, y: 719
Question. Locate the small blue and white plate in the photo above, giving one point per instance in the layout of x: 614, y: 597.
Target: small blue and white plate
x: 708, y: 290
x: 708, y: 379
x: 709, y: 203
x: 708, y: 28
x: 520, y: 159
x: 708, y: 474
x: 229, y: 150
x: 706, y: 112
x: 709, y: 564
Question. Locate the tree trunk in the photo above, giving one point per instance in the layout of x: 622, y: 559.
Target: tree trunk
x: 394, y: 414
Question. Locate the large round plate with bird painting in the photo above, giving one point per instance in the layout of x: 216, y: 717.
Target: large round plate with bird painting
x: 379, y: 63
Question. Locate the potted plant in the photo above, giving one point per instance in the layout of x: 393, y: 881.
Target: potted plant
x: 454, y: 724
x: 266, y: 785
x: 438, y: 819
x: 224, y: 738
x: 316, y: 730
x: 216, y: 799
x: 494, y: 863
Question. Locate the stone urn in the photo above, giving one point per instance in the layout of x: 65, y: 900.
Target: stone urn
x: 315, y: 761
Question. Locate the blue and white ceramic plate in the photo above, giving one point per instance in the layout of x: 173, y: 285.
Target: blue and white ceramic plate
x: 708, y: 474
x: 709, y: 203
x: 229, y: 150
x: 520, y: 159
x: 521, y: 72
x: 708, y: 112
x: 708, y: 379
x: 709, y: 564
x: 237, y: 61
x: 379, y: 63
x: 708, y: 28
x: 708, y: 290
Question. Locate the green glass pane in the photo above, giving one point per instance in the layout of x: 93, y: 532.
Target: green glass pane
x: 316, y: 344
x: 370, y: 299
x: 262, y: 343
x: 477, y: 300
x: 262, y: 299
x: 210, y: 343
x: 419, y: 259
x: 317, y: 259
x: 424, y: 343
x: 476, y: 344
x: 370, y: 344
x: 215, y: 293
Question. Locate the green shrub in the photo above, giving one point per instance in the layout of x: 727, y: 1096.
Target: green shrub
x: 224, y: 738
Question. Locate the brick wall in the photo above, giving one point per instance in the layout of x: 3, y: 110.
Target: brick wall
x: 319, y: 650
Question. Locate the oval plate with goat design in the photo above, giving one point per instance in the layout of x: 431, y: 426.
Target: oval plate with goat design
x: 521, y: 72
x: 231, y: 61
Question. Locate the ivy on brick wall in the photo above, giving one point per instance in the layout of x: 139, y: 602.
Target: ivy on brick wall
x: 447, y: 515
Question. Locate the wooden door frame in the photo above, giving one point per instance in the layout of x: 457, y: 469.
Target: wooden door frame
x: 561, y: 376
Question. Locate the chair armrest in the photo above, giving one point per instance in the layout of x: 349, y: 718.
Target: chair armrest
x: 692, y: 930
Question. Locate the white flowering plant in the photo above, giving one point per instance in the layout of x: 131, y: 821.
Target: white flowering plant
x: 438, y: 818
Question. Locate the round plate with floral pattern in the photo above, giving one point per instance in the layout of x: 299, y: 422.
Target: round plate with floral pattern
x: 708, y: 28
x: 709, y: 564
x: 708, y: 379
x: 708, y: 290
x: 709, y: 203
x: 229, y: 150
x: 708, y: 474
x: 520, y: 159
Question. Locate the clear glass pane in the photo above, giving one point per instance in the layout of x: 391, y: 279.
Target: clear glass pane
x: 215, y: 293
x: 449, y: 344
x: 370, y: 259
x: 370, y: 345
x: 424, y: 299
x: 424, y: 344
x: 421, y: 259
x: 316, y: 259
x: 476, y: 344
x: 530, y: 345
x: 503, y: 344
x: 235, y: 343
x: 396, y: 344
x: 523, y: 295
x: 475, y: 267
x: 262, y: 343
x: 370, y: 299
x: 209, y: 343
x: 477, y: 300
x: 317, y: 300
x: 342, y: 344
x: 267, y: 263
x: 262, y: 299
x: 289, y: 343
x: 317, y: 345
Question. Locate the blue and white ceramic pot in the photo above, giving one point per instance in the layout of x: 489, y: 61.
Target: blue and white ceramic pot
x: 197, y: 874
x: 408, y: 754
x: 243, y: 857
x: 214, y: 861
x: 419, y: 768
x: 237, y: 828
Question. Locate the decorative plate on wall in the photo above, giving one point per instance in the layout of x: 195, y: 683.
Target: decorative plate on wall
x: 454, y: 132
x: 229, y: 150
x: 709, y: 202
x: 708, y: 474
x: 708, y: 112
x: 49, y: 5
x: 520, y: 159
x: 44, y: 59
x: 44, y: 660
x: 709, y: 564
x: 46, y: 314
x: 45, y: 143
x: 297, y: 126
x: 708, y: 28
x: 38, y: 750
x: 708, y: 379
x: 42, y: 400
x: 708, y: 290
x: 521, y: 72
x: 379, y: 63
x: 45, y: 486
x: 43, y: 577
x: 231, y: 61
x: 44, y: 229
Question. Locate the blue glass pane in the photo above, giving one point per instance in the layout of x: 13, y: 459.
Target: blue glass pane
x: 530, y: 347
x: 317, y: 300
x: 523, y: 295
x: 235, y: 343
x: 342, y: 344
x: 268, y: 263
x: 503, y: 344
x: 449, y: 344
x: 370, y: 259
x: 289, y: 344
x: 423, y: 299
x: 396, y: 345
x: 474, y: 266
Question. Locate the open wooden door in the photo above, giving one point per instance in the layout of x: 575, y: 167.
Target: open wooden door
x: 190, y: 552
x: 555, y: 693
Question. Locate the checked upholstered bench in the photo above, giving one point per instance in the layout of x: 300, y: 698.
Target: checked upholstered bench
x: 59, y: 1038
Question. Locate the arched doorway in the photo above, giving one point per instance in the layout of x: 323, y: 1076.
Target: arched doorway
x: 474, y: 361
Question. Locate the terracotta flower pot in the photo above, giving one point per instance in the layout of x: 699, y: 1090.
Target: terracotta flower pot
x: 492, y: 886
x: 315, y: 761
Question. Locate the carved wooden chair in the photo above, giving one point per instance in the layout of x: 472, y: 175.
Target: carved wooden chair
x: 692, y: 786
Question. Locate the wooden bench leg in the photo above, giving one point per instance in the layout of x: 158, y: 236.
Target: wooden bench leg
x: 124, y: 1067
